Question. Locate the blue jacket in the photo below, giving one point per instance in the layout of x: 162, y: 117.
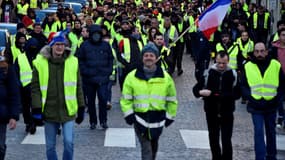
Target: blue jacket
x: 95, y: 62
x: 10, y: 100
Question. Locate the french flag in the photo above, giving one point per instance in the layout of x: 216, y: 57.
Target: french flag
x: 213, y: 16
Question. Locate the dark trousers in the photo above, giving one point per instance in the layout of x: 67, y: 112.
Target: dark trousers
x: 26, y: 104
x: 264, y: 150
x: 3, y: 128
x: 177, y: 56
x: 90, y: 91
x: 122, y: 76
x: 149, y: 148
x: 220, y: 124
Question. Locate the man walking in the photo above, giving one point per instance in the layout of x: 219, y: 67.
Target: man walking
x: 57, y: 94
x: 262, y: 85
x: 149, y: 101
x: 219, y: 88
x: 96, y: 65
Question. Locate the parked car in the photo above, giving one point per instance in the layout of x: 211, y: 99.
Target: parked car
x: 75, y: 6
x: 42, y: 13
x: 4, y: 38
x: 10, y: 27
x: 83, y: 2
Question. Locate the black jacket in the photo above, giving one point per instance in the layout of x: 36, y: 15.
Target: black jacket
x: 224, y: 87
x: 10, y: 100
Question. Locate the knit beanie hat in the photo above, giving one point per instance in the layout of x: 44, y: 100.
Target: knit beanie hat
x: 55, y: 37
x: 150, y: 47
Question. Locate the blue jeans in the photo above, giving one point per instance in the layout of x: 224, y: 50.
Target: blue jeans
x: 264, y: 150
x: 50, y: 135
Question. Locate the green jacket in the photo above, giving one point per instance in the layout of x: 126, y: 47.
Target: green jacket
x: 55, y: 109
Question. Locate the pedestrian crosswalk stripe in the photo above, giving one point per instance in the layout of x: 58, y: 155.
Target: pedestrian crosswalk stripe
x: 280, y: 140
x: 120, y: 137
x: 37, y: 138
x: 197, y: 139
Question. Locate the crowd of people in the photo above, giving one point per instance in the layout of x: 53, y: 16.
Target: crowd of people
x: 53, y: 69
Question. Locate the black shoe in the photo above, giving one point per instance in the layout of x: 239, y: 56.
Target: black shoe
x: 33, y: 129
x: 59, y: 132
x: 27, y: 129
x: 104, y: 125
x: 93, y: 126
x: 180, y: 72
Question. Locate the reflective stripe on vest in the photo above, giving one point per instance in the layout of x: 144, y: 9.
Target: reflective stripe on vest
x: 25, y: 69
x: 149, y: 125
x: 266, y: 86
x: 255, y: 19
x: 69, y: 80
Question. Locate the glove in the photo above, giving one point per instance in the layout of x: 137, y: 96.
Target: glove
x: 37, y: 116
x: 168, y: 122
x: 80, y: 115
x: 130, y: 119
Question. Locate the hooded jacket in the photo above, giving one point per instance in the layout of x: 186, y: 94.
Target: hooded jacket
x: 55, y: 109
x: 95, y: 60
x: 224, y: 87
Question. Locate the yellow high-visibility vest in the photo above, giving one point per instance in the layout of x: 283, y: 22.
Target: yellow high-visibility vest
x: 15, y: 52
x: 69, y: 80
x: 33, y: 4
x: 25, y: 69
x: 74, y: 42
x: 233, y: 53
x: 127, y: 49
x: 266, y: 86
x: 255, y: 19
x: 23, y: 10
x: 247, y: 48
